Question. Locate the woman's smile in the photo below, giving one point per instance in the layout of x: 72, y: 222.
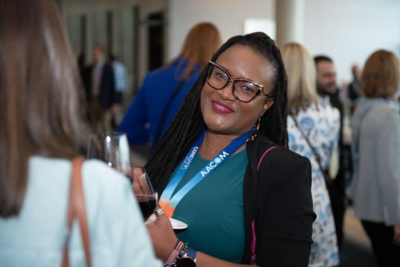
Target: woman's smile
x: 221, y: 108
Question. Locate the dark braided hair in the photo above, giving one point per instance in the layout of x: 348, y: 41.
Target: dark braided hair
x: 188, y: 123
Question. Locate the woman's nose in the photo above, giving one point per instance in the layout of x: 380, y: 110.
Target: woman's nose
x: 227, y: 92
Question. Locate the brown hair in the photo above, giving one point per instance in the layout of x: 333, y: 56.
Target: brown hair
x: 381, y: 75
x: 301, y: 72
x: 202, y: 41
x: 38, y: 94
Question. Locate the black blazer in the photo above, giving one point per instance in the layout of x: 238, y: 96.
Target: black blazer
x: 278, y: 198
x: 107, y: 94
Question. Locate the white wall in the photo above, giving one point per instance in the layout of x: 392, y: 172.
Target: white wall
x: 350, y: 30
x: 227, y: 15
x: 347, y: 30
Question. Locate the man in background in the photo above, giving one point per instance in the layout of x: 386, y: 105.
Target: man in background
x: 329, y: 96
x: 100, y: 91
x: 352, y: 88
x: 121, y: 86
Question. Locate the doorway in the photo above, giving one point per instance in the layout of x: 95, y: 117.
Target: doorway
x: 155, y: 22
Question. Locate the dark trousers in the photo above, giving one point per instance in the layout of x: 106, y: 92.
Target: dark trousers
x: 338, y: 203
x: 381, y: 236
x: 337, y: 191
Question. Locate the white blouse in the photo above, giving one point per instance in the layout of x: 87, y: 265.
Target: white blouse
x: 36, y: 236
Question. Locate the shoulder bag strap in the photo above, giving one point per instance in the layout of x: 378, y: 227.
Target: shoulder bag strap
x: 77, y: 209
x: 253, y: 229
x: 328, y: 180
x: 164, y: 114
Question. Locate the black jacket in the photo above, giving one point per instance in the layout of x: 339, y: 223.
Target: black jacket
x: 278, y: 197
x: 107, y: 86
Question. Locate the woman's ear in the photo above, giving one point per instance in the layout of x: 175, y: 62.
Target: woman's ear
x: 267, y: 105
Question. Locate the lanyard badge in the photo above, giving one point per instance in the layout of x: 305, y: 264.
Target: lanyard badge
x: 169, y: 202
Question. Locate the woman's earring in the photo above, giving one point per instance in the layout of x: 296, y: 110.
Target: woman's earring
x: 258, y: 123
x: 254, y: 134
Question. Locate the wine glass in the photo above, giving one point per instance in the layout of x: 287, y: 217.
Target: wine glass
x: 113, y: 149
x: 144, y: 192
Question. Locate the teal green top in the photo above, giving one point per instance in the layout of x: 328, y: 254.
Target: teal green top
x: 213, y: 209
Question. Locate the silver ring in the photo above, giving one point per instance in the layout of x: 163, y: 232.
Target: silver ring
x: 159, y: 212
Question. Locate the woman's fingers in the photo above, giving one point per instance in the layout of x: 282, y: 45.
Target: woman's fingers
x: 137, y: 171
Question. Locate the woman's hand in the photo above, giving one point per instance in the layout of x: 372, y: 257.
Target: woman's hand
x: 396, y: 237
x: 137, y: 171
x: 163, y: 236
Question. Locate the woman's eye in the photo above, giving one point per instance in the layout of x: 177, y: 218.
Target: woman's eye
x: 248, y: 89
x: 220, y: 75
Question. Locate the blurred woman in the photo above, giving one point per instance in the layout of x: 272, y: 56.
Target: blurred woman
x: 163, y: 89
x: 376, y: 153
x: 312, y: 136
x: 223, y: 166
x: 38, y: 139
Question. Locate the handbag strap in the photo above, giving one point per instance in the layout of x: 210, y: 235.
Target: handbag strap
x: 77, y: 209
x: 253, y: 229
x: 165, y: 111
x: 328, y: 180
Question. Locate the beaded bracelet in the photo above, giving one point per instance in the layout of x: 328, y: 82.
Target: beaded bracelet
x: 181, y: 250
x: 175, y: 253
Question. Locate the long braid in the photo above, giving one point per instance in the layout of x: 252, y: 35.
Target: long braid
x: 277, y: 114
x: 184, y: 129
x: 188, y: 123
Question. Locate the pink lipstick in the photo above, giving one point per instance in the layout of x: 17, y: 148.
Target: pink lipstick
x: 220, y: 107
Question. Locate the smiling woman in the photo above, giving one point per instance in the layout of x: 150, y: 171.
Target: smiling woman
x: 223, y: 167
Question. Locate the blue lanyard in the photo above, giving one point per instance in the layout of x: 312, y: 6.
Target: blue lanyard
x: 169, y: 203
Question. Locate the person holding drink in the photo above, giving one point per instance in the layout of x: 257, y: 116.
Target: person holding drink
x: 224, y: 169
x: 38, y: 139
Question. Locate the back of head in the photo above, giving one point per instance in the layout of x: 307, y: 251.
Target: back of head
x: 301, y: 74
x: 188, y: 124
x: 38, y: 94
x: 202, y: 41
x: 381, y: 75
x: 355, y: 71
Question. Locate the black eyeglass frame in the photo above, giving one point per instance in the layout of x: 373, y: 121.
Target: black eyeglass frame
x: 260, y: 86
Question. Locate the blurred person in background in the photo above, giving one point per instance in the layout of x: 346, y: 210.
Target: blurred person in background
x: 100, y: 91
x: 121, y: 86
x: 328, y: 94
x: 376, y: 153
x: 164, y: 89
x: 312, y: 136
x: 81, y: 65
x: 39, y: 91
x: 352, y: 88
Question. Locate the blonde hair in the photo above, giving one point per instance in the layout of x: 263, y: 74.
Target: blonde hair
x: 202, y: 41
x: 381, y: 75
x: 300, y: 69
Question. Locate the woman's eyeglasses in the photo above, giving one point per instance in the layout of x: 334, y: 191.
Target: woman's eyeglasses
x: 243, y: 89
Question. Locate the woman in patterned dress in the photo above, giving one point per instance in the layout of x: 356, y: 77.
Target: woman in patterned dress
x: 313, y: 133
